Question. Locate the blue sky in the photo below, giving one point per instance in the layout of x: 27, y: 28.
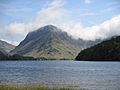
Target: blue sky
x: 30, y: 14
x: 88, y: 13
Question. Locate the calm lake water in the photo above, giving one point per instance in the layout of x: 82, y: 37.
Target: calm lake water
x: 91, y: 75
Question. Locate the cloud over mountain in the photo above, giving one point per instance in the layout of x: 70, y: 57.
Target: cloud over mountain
x: 101, y: 31
x: 55, y: 13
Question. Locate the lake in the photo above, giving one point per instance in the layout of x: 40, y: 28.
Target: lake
x: 84, y: 74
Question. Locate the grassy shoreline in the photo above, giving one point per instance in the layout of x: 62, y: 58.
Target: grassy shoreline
x: 35, y: 87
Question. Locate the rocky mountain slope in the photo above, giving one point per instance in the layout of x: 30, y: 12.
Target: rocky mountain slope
x: 50, y: 42
x: 4, y: 46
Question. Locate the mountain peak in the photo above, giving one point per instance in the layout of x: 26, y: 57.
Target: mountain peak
x: 44, y: 30
x: 50, y: 28
x: 49, y: 42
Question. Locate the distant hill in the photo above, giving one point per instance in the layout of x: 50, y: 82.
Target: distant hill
x: 3, y: 55
x: 50, y: 42
x: 7, y: 56
x: 6, y: 47
x: 108, y: 50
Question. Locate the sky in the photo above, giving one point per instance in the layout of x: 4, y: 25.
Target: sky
x: 85, y: 19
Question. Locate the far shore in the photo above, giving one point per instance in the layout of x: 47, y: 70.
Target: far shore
x: 61, y: 60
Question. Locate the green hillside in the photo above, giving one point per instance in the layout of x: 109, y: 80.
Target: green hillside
x: 50, y: 42
x: 108, y: 50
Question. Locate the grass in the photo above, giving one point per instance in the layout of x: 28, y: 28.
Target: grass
x: 34, y: 87
x: 64, y: 51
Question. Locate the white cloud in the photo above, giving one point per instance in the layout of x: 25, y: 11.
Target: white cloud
x: 17, y: 28
x: 55, y: 13
x: 12, y: 42
x: 104, y: 30
x: 88, y: 1
x: 50, y: 14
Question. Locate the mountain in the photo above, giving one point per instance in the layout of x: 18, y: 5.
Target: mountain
x: 50, y: 42
x: 108, y: 50
x: 7, y: 56
x: 3, y: 55
x: 6, y: 47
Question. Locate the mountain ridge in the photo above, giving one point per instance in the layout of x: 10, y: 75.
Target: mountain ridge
x: 5, y: 46
x: 50, y: 42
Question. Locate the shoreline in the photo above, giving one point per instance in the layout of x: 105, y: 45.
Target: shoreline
x: 38, y: 87
x: 69, y: 60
